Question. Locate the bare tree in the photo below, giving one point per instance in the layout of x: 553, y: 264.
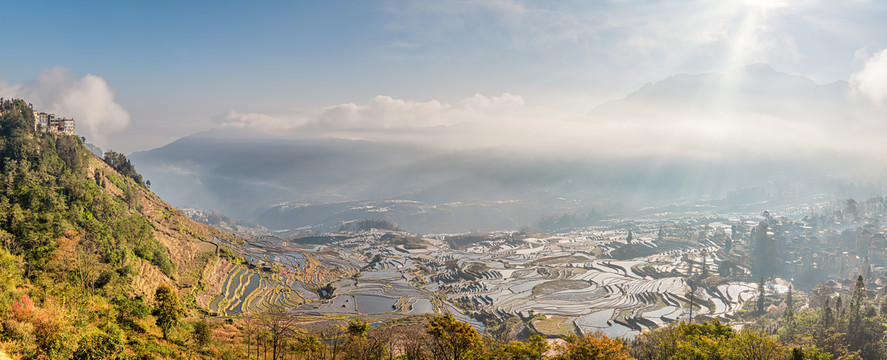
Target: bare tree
x: 363, y: 344
x: 278, y: 326
x: 414, y: 343
x: 334, y: 339
x: 86, y: 265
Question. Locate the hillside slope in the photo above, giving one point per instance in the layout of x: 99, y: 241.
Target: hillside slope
x: 83, y: 247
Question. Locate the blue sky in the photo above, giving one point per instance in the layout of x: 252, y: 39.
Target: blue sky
x: 177, y: 67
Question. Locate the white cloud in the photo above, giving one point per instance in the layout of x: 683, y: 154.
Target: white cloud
x: 381, y: 113
x: 89, y: 100
x: 384, y: 112
x: 685, y: 117
x: 504, y: 101
x: 256, y: 121
x: 478, y: 119
x: 871, y: 82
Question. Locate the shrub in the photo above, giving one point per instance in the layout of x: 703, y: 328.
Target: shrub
x: 23, y: 309
x: 99, y: 345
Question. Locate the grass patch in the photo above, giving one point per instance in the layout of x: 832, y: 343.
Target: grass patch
x: 116, y: 181
x: 554, y: 325
x: 559, y: 285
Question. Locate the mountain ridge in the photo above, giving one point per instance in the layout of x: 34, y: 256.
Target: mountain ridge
x: 752, y: 88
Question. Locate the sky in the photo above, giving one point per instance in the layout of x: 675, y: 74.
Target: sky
x: 138, y: 75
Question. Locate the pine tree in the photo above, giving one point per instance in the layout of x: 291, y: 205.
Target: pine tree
x: 866, y: 269
x: 789, y: 317
x: 857, y: 301
x: 828, y: 316
x: 883, y: 306
x: 760, y: 307
x: 839, y: 311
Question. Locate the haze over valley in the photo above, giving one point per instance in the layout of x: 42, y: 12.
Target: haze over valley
x: 708, y: 137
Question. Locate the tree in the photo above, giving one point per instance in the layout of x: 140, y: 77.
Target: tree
x: 828, y: 316
x: 309, y: 345
x: 129, y: 311
x: 86, y: 263
x: 707, y: 340
x: 749, y: 345
x: 358, y: 328
x: 864, y: 329
x: 789, y: 317
x: 453, y: 339
x: 533, y: 348
x: 760, y: 303
x: 882, y: 308
x: 866, y: 269
x: 119, y: 162
x: 789, y: 302
x: 839, y: 309
x: 360, y: 345
x: 595, y: 346
x: 203, y: 333
x: 167, y: 308
x: 278, y: 326
x: 414, y: 343
x: 857, y: 301
x: 100, y: 345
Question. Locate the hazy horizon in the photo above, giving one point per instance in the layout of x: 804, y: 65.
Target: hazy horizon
x: 400, y: 67
x: 238, y: 107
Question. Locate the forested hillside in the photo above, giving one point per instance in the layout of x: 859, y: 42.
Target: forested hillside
x: 84, y: 249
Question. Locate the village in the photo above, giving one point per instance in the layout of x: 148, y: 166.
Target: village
x: 50, y: 122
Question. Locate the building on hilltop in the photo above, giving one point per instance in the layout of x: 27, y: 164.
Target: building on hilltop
x: 42, y: 119
x: 62, y: 125
x: 51, y: 123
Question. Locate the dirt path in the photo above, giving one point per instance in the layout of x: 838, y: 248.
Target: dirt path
x: 3, y: 356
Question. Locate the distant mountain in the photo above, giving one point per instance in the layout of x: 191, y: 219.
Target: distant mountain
x: 97, y: 151
x: 290, y: 185
x: 755, y: 88
x: 684, y: 136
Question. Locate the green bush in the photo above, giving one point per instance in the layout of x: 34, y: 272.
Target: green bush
x: 99, y: 345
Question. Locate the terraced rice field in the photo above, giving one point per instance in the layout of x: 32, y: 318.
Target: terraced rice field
x: 570, y: 280
x: 246, y: 291
x: 561, y: 280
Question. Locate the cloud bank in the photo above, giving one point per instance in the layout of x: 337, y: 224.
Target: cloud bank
x: 751, y: 113
x: 384, y: 113
x: 89, y: 100
x: 871, y: 82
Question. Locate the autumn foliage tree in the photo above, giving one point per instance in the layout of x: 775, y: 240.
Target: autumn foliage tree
x: 453, y: 339
x: 596, y: 346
